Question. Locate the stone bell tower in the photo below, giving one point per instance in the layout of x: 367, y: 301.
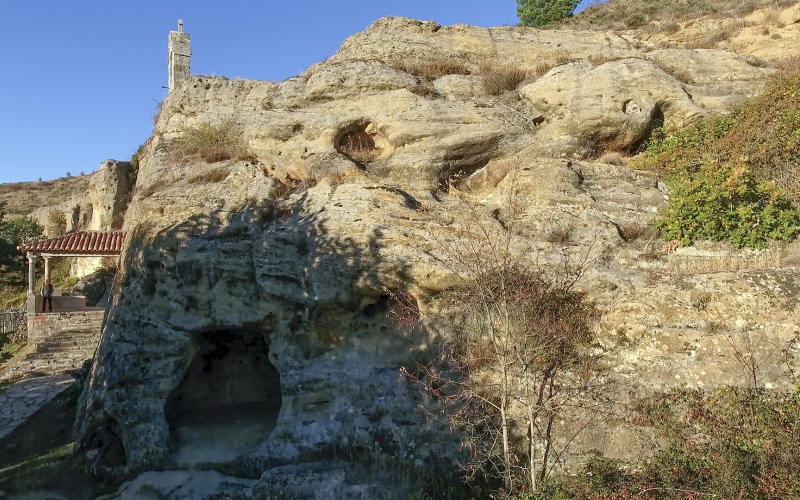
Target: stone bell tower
x: 180, y: 54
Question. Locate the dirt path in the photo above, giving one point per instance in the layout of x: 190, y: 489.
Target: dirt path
x: 20, y: 400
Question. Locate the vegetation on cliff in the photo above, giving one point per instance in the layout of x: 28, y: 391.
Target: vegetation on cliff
x: 542, y: 12
x: 734, y: 177
x: 14, y: 232
x: 732, y: 443
x: 630, y: 14
x: 213, y: 142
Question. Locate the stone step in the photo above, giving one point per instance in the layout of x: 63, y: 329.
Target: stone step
x: 56, y: 356
x: 69, y: 341
x: 64, y: 351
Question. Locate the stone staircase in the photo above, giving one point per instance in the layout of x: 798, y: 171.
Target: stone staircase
x: 63, y: 351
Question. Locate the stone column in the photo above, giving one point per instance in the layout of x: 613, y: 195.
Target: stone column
x: 179, y: 56
x: 31, y: 272
x: 46, y: 269
x: 30, y: 305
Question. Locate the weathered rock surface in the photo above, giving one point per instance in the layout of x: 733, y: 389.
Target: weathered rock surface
x: 299, y: 245
x: 101, y: 206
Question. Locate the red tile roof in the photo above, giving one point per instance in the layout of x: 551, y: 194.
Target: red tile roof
x: 80, y: 243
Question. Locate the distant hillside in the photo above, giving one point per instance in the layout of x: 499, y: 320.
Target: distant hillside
x: 632, y: 14
x: 24, y: 197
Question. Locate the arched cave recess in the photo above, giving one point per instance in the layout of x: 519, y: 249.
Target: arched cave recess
x: 357, y: 142
x: 229, y: 398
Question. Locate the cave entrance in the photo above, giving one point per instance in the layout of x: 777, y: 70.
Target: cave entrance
x: 228, y: 400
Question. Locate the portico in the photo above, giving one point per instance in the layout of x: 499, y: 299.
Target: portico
x: 75, y: 244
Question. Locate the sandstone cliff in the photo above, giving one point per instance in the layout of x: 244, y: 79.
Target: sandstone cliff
x: 291, y: 247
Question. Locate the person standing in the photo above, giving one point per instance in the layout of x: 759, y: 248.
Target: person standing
x: 47, y: 296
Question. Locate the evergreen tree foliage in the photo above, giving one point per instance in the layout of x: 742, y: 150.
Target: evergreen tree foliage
x: 15, y: 232
x: 539, y: 13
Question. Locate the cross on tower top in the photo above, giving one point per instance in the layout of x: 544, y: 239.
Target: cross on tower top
x: 180, y: 25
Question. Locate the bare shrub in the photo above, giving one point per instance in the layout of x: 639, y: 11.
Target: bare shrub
x: 56, y: 223
x: 430, y: 70
x: 424, y: 90
x: 212, y: 142
x: 157, y: 112
x: 501, y: 78
x: 359, y: 146
x: 633, y: 231
x: 213, y: 175
x: 700, y: 300
x: 518, y: 354
x: 612, y: 158
x: 559, y: 236
x: 287, y: 187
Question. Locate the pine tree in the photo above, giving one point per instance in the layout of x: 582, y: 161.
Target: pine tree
x: 539, y: 13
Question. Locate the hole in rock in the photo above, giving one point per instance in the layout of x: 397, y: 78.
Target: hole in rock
x: 358, y: 144
x: 228, y: 400
x: 656, y: 123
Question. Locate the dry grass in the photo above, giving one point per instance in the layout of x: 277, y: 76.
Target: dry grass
x: 600, y: 59
x: 554, y: 61
x: 212, y: 142
x: 778, y: 256
x: 24, y: 197
x: 359, y: 146
x: 612, y: 158
x: 790, y: 64
x: 213, y: 175
x: 714, y: 38
x: 501, y: 78
x: 633, y: 14
x: 772, y: 17
x: 430, y: 70
x: 700, y: 300
x: 345, y: 177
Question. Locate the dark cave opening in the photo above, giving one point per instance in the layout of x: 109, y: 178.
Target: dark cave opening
x: 228, y: 400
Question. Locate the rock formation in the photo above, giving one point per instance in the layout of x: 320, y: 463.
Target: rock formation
x: 283, y: 258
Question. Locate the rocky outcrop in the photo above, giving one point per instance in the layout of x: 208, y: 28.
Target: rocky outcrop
x: 101, y: 207
x: 291, y: 254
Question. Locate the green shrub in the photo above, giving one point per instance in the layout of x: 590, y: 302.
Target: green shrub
x: 763, y: 132
x: 733, y: 177
x: 136, y: 157
x: 682, y: 150
x: 539, y: 13
x: 719, y: 202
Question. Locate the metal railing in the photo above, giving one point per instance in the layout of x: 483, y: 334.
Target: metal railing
x: 12, y: 323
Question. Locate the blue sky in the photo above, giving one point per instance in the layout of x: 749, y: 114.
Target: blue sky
x: 81, y: 79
